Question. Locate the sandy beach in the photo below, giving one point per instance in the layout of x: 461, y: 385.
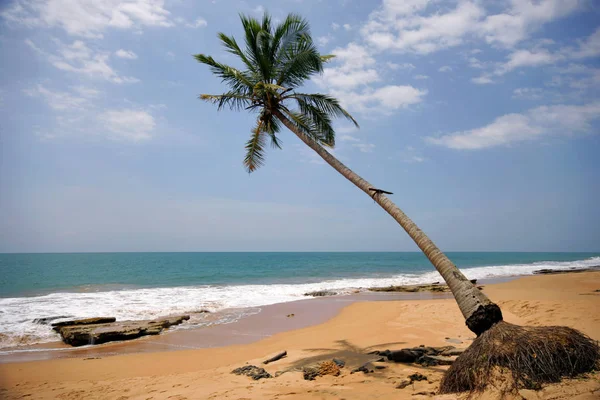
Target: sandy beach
x: 349, y: 333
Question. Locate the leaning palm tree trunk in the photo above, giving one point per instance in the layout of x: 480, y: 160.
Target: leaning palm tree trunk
x: 479, y: 311
x: 277, y: 61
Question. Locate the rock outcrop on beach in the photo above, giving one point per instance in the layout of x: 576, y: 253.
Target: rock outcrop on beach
x: 84, y: 332
x: 432, y: 287
x: 78, y: 322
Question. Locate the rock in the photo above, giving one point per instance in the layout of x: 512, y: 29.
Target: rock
x: 87, y: 321
x: 547, y: 271
x: 252, y: 371
x: 310, y: 373
x: 340, y: 363
x: 98, y: 333
x: 403, y: 384
x: 452, y: 352
x: 290, y: 315
x: 473, y: 281
x: 417, y: 377
x: 435, y: 287
x: 366, y: 368
x: 427, y: 360
x: 321, y: 293
x: 329, y: 368
x: 404, y: 355
x: 47, y: 320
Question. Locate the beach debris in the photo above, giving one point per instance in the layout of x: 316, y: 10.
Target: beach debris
x: 416, y: 377
x: 403, y: 384
x: 453, y: 340
x: 423, y: 355
x: 452, y: 352
x: 87, y: 321
x: 81, y: 334
x: 47, y: 320
x: 310, y: 373
x: 329, y: 368
x: 321, y: 293
x: 339, y: 362
x: 428, y: 361
x: 276, y: 357
x: 366, y: 368
x: 290, y: 315
x: 252, y: 371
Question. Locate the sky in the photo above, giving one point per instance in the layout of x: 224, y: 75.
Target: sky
x: 482, y: 117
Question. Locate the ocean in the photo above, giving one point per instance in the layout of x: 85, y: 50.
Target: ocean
x: 134, y: 286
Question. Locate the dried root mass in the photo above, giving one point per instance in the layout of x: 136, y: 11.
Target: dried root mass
x: 529, y: 356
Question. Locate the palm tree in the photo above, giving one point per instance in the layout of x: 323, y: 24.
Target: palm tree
x: 276, y: 61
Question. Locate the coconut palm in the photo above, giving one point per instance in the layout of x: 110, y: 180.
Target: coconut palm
x: 276, y: 61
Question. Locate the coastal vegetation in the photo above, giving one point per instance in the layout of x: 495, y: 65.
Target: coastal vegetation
x: 276, y: 61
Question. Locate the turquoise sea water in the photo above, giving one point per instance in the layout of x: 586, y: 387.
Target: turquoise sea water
x: 147, y: 285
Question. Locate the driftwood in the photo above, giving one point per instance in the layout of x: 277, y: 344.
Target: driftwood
x: 276, y: 357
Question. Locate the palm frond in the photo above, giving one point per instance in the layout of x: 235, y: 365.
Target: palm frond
x: 232, y: 47
x: 237, y: 80
x: 256, y: 41
x: 299, y: 62
x: 272, y: 126
x: 231, y: 100
x: 328, y: 104
x: 255, y: 149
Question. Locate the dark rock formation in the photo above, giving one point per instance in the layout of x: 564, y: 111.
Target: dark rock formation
x: 81, y: 334
x: 310, y: 373
x: 321, y: 293
x: 252, y: 371
x: 548, y: 271
x: 87, y: 321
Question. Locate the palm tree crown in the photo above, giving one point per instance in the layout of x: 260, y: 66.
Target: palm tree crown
x: 277, y: 61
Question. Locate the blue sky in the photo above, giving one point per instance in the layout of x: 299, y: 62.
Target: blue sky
x: 481, y: 117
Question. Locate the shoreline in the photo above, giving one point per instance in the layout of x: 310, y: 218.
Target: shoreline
x: 357, y: 330
x: 262, y: 322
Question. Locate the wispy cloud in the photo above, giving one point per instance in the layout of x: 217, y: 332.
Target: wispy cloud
x: 89, y: 18
x: 518, y: 127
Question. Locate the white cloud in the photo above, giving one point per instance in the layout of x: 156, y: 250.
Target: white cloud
x: 426, y: 26
x: 130, y: 55
x: 364, y: 147
x: 445, y: 68
x: 128, y: 125
x: 522, y: 18
x: 421, y: 77
x: 86, y: 91
x: 397, y: 26
x: 482, y: 80
x: 80, y: 59
x: 89, y: 18
x: 57, y: 100
x: 347, y: 27
x: 531, y: 125
x: 383, y: 100
x: 403, y: 66
x: 335, y: 26
x: 324, y: 40
x: 528, y: 93
x: 198, y: 23
x: 348, y: 138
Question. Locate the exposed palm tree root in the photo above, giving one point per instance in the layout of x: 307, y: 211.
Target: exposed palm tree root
x: 529, y: 356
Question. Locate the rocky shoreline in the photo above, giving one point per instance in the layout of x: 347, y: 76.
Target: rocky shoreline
x: 100, y: 330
